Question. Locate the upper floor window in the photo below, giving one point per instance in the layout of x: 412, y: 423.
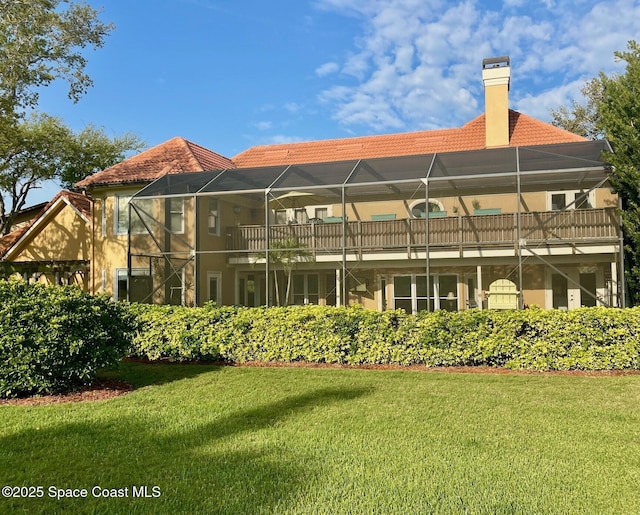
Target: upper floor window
x: 176, y: 215
x: 419, y: 209
x: 214, y: 217
x: 140, y: 215
x: 280, y: 216
x: 576, y: 199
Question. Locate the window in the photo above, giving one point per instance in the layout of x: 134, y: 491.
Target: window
x: 305, y: 289
x: 142, y: 209
x: 176, y: 215
x: 214, y: 217
x: 300, y: 215
x: 322, y: 212
x: 410, y: 292
x: 571, y: 200
x: 214, y: 287
x: 103, y: 213
x: 140, y: 286
x: 281, y: 216
x: 418, y: 209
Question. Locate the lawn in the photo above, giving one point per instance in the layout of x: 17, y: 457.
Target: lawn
x: 294, y: 440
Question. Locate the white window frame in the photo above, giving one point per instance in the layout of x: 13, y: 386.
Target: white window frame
x: 435, y: 281
x: 305, y: 285
x: 421, y: 201
x: 218, y: 277
x: 117, y: 200
x: 123, y: 272
x: 174, y: 212
x: 215, y: 230
x: 103, y: 215
x: 591, y: 198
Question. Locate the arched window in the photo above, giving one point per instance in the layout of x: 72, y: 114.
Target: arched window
x: 418, y: 209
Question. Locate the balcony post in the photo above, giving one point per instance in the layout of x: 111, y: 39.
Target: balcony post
x: 621, y: 281
x: 343, y: 277
x: 519, y: 230
x: 266, y: 247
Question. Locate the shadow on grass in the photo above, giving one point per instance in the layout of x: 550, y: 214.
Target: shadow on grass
x: 223, y: 466
x: 141, y: 374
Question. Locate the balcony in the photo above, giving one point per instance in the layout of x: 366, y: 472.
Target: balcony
x: 569, y: 228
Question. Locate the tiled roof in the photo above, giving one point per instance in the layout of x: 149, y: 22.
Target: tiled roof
x: 8, y: 240
x: 173, y: 156
x: 524, y: 131
x: 81, y: 203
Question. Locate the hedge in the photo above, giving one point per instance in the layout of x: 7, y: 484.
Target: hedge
x: 586, y: 339
x: 54, y: 339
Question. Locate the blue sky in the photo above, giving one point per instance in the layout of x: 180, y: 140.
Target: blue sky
x: 233, y: 74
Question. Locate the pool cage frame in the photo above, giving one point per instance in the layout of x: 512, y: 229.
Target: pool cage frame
x: 514, y: 170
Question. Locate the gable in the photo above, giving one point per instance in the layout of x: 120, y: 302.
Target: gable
x: 61, y: 233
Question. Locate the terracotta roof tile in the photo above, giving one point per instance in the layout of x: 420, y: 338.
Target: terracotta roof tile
x: 176, y: 155
x: 8, y: 240
x: 524, y: 131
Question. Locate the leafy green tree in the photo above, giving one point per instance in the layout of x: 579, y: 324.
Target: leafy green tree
x: 40, y: 42
x: 619, y: 119
x: 612, y: 111
x: 582, y: 118
x: 41, y: 148
x: 285, y: 255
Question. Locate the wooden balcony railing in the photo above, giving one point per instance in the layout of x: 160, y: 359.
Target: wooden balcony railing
x: 551, y: 227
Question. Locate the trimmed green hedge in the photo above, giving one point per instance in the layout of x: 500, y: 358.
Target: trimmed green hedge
x: 53, y: 339
x: 586, y: 339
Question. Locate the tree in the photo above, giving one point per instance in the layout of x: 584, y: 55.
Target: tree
x: 42, y: 148
x: 579, y: 118
x: 91, y: 150
x: 612, y: 111
x: 41, y: 42
x: 619, y: 119
x: 286, y: 254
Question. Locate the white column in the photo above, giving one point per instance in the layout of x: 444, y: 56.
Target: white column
x: 480, y: 294
x: 615, y: 301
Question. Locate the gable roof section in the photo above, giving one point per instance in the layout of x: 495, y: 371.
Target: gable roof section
x: 81, y: 204
x: 176, y: 155
x: 524, y: 131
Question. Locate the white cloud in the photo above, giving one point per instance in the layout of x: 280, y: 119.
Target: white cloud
x: 327, y: 69
x: 292, y: 107
x: 263, y: 126
x: 417, y: 64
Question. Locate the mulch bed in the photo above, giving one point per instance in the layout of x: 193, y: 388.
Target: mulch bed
x: 100, y: 390
x: 103, y: 389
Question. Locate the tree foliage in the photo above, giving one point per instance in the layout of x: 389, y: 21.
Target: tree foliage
x: 612, y: 111
x: 41, y: 42
x: 582, y: 118
x: 619, y: 119
x: 41, y: 148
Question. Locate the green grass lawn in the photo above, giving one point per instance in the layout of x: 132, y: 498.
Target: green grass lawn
x: 293, y: 440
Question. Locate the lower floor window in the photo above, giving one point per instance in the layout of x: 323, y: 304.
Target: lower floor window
x: 410, y: 292
x: 214, y: 287
x: 305, y: 289
x: 138, y: 290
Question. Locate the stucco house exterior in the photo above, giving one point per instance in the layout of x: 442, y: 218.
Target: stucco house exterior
x: 505, y: 211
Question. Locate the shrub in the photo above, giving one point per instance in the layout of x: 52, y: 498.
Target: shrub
x: 587, y: 338
x: 54, y: 339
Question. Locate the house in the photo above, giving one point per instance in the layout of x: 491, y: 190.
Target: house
x: 505, y: 211
x: 54, y: 246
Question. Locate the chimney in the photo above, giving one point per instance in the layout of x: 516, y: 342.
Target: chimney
x: 496, y: 74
